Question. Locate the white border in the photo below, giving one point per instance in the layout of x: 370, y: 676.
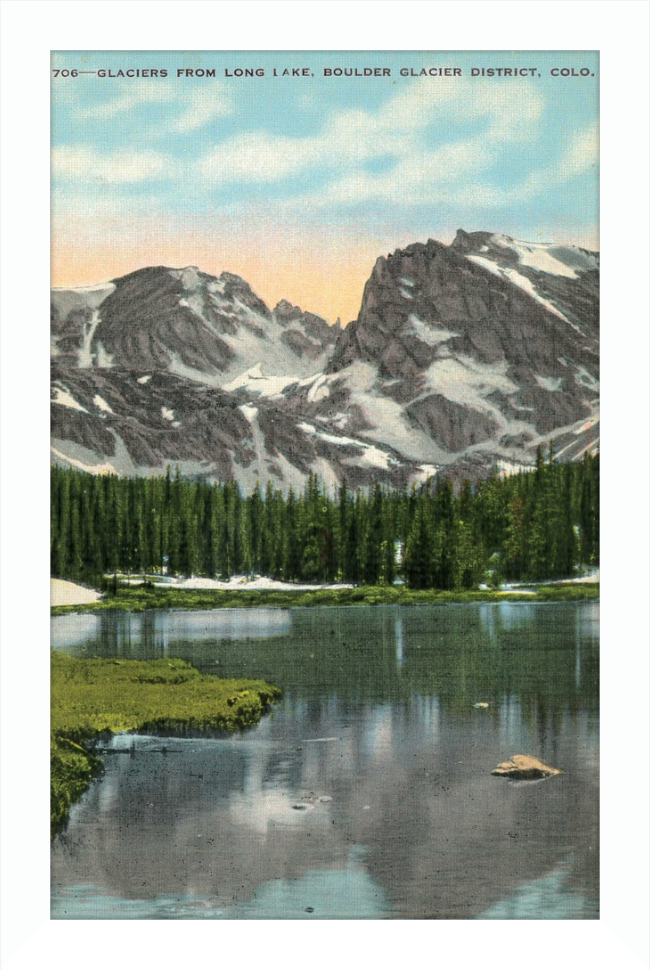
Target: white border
x: 30, y: 29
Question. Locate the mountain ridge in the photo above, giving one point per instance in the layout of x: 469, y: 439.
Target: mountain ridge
x: 462, y: 357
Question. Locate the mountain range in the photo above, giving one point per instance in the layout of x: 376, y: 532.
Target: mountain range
x: 463, y: 357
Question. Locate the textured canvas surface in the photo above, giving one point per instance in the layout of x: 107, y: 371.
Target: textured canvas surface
x: 325, y: 364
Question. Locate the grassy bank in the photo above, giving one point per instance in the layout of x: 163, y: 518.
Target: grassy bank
x: 138, y: 598
x: 101, y: 697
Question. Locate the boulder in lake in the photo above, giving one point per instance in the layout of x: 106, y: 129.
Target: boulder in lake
x: 523, y: 767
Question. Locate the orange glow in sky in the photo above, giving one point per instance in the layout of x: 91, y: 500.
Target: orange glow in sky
x: 327, y: 279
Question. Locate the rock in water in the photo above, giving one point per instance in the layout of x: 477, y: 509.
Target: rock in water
x: 523, y: 767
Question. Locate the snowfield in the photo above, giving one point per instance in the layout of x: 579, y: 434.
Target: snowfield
x: 66, y: 400
x: 63, y: 593
x: 508, y: 273
x: 242, y: 582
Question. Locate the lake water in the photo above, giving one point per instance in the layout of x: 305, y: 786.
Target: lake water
x: 367, y: 792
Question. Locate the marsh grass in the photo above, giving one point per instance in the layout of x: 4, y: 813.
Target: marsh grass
x: 149, y: 597
x: 99, y: 697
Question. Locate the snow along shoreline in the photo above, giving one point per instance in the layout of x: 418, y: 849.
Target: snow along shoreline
x: 64, y: 593
x: 243, y: 582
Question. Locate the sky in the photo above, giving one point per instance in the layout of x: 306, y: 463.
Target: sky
x: 299, y: 183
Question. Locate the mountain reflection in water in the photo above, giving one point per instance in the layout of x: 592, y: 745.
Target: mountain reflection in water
x: 371, y: 780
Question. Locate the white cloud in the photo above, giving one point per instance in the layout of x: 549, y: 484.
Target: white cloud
x: 130, y: 96
x: 399, y: 133
x: 202, y: 105
x: 509, y: 111
x: 581, y: 155
x: 258, y: 157
x: 80, y: 163
x: 428, y: 143
x: 199, y: 104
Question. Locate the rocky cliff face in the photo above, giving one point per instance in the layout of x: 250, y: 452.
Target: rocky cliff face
x: 488, y: 346
x: 175, y: 366
x: 462, y: 356
x: 186, y: 322
x: 306, y: 334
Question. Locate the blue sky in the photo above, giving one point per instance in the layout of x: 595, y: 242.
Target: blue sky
x: 298, y: 184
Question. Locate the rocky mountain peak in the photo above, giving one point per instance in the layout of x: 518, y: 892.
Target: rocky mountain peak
x: 308, y: 335
x: 467, y: 242
x: 286, y: 312
x: 462, y: 356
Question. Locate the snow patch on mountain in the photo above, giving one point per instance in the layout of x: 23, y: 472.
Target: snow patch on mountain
x: 101, y: 469
x: 100, y: 403
x: 468, y: 382
x: 190, y: 277
x: 587, y: 425
x: 389, y: 425
x: 590, y: 446
x: 85, y: 354
x: 194, y: 302
x: 66, y: 399
x: 102, y: 358
x: 428, y: 375
x: 217, y: 286
x: 338, y: 420
x: 259, y: 340
x: 513, y: 468
x: 319, y: 389
x: 584, y: 377
x: 97, y: 289
x: 370, y: 455
x: 549, y: 383
x: 429, y: 333
x: 73, y: 298
x: 376, y: 458
x: 249, y: 412
x: 425, y: 472
x: 255, y: 381
x: 359, y: 376
x: 181, y: 369
x: 546, y: 257
x: 510, y: 274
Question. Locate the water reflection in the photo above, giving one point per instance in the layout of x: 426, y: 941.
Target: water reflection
x: 75, y: 630
x: 547, y: 898
x: 152, y: 633
x: 368, y: 792
x: 546, y: 655
x: 399, y: 641
x: 348, y: 893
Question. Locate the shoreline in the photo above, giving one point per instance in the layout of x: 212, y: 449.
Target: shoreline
x: 65, y: 592
x: 136, y: 599
x: 154, y: 695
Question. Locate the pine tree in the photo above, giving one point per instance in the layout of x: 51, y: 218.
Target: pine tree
x: 418, y: 564
x: 527, y: 526
x: 373, y: 539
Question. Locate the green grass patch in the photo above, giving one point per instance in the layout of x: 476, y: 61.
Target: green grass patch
x: 147, y: 597
x: 568, y: 592
x: 95, y: 697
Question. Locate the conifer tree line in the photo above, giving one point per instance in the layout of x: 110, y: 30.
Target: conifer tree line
x: 536, y: 525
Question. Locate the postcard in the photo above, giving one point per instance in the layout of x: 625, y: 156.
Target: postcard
x: 325, y: 485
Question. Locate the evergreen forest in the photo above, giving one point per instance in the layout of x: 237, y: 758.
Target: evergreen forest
x: 537, y: 525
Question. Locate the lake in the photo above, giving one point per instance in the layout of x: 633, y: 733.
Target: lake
x: 367, y: 793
